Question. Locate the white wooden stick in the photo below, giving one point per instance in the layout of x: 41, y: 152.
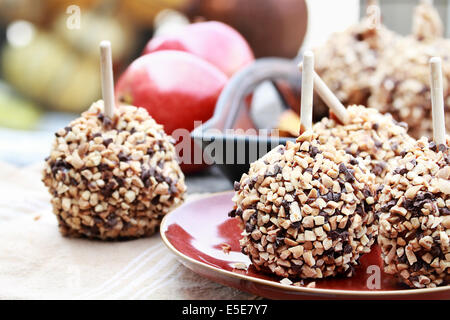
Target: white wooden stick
x: 107, y: 77
x: 437, y: 101
x: 306, y: 107
x: 330, y: 99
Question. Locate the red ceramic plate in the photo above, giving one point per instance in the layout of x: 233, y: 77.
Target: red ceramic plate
x: 197, y: 230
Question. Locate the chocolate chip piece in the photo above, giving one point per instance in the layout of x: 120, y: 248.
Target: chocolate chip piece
x: 145, y: 175
x: 108, y: 190
x: 120, y: 181
x: 286, y: 206
x: 417, y: 266
x: 342, y: 168
x: 313, y: 151
x: 388, y: 206
x: 336, y: 234
x: 432, y: 146
x: 296, y: 268
x: 112, y: 220
x: 347, y: 172
x: 106, y: 121
x: 350, y: 271
x: 378, y: 168
x: 237, y: 186
x: 349, y: 151
x: 347, y: 248
x: 366, y: 192
x: 436, y: 251
x: 155, y: 200
x: 60, y: 165
x: 394, y: 146
x: 73, y: 182
x: 151, y: 151
x: 296, y: 224
x: 361, y: 210
x: 329, y: 253
x: 401, y: 171
x: 232, y: 213
x: 249, y: 227
x: 403, y: 259
x: 380, y: 188
x: 173, y: 188
x: 106, y: 142
x: 252, y: 182
x: 359, y: 36
x: 103, y: 167
x: 279, y: 241
x: 123, y: 157
x: 447, y: 159
x: 378, y: 144
x: 333, y: 196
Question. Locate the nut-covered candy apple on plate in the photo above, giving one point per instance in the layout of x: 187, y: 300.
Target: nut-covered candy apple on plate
x: 113, y: 172
x: 307, y: 208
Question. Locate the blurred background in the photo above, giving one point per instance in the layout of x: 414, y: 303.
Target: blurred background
x: 49, y: 70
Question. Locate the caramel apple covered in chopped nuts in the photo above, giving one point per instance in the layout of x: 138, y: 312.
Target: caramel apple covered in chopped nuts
x: 349, y: 59
x: 415, y: 217
x: 414, y: 205
x: 401, y: 85
x: 378, y: 139
x: 307, y: 210
x: 113, y: 178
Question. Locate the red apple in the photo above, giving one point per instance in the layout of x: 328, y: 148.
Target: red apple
x: 212, y: 41
x: 177, y: 88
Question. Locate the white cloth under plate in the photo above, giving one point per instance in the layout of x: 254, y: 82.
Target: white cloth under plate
x: 36, y: 262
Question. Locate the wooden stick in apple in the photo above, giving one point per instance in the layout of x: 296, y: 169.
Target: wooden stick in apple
x: 437, y: 101
x: 107, y: 77
x: 328, y: 97
x: 306, y: 110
